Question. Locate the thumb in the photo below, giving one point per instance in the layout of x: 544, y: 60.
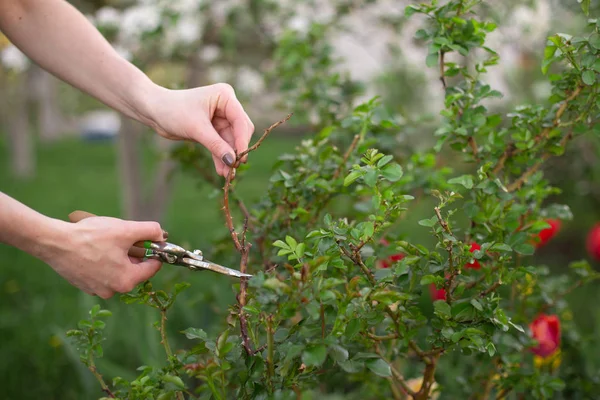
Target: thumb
x: 144, y: 270
x: 146, y: 230
x: 219, y: 148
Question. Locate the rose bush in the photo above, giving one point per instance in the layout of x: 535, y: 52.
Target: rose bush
x: 338, y: 304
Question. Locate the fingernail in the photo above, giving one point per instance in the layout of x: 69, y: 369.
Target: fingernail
x: 228, y: 159
x: 165, y: 235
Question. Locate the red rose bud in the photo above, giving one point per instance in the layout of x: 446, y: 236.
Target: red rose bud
x: 392, y: 259
x: 593, y: 242
x: 436, y: 294
x: 546, y: 234
x: 546, y: 330
x: 475, y: 264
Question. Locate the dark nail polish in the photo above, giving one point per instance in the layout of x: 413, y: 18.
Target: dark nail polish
x: 228, y: 159
x: 165, y: 235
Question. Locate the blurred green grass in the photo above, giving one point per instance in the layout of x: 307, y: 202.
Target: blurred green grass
x: 38, y: 306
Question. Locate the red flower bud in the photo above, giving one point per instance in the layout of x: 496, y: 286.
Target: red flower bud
x: 475, y: 264
x: 593, y: 242
x: 546, y: 234
x: 436, y: 294
x: 391, y: 259
x: 546, y: 330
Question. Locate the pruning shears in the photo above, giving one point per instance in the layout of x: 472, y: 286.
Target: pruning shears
x: 170, y: 253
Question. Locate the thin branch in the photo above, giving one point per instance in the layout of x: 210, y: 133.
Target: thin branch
x: 532, y: 170
x: 442, y: 72
x: 395, y: 373
x: 443, y: 223
x: 243, y: 247
x: 382, y: 338
x: 490, y: 289
x: 94, y: 370
x: 349, y: 151
x: 259, y: 141
x: 473, y: 145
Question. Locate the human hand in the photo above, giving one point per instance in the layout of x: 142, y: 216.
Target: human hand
x: 210, y: 115
x: 92, y: 254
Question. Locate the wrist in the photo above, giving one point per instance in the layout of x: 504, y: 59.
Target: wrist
x: 50, y: 237
x: 143, y: 101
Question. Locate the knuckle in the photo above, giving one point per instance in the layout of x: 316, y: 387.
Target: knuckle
x: 123, y: 286
x: 105, y: 295
x: 156, y: 229
x: 225, y: 88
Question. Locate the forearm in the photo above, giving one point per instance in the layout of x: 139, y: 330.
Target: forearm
x: 26, y: 229
x: 61, y: 40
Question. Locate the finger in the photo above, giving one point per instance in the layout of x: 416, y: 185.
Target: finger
x: 219, y: 148
x: 241, y: 125
x: 144, y: 270
x: 143, y: 230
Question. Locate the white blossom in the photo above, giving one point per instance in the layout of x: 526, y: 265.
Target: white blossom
x: 108, y: 16
x: 188, y: 29
x: 210, y: 53
x: 12, y: 58
x: 139, y: 19
x: 249, y: 80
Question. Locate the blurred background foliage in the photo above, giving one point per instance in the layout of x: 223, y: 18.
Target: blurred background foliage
x: 58, y: 155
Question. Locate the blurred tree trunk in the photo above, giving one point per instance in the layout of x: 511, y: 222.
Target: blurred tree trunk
x: 135, y: 205
x: 44, y: 88
x: 129, y: 169
x: 16, y: 116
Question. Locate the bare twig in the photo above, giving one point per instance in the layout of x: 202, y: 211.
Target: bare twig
x: 243, y: 247
x: 442, y: 222
x: 428, y: 380
x: 442, y: 72
x: 395, y: 373
x: 349, y: 151
x: 473, y: 145
x: 489, y: 290
x: 94, y: 370
x: 527, y: 174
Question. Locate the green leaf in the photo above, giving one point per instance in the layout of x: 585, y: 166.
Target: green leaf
x: 300, y: 250
x: 585, y: 6
x: 352, y: 366
x: 352, y: 176
x: 280, y: 244
x: 252, y: 310
x: 379, y: 367
x: 392, y: 172
x: 291, y: 241
x: 314, y: 355
x: 195, y: 333
x: 476, y: 304
x: 175, y: 380
x: 442, y: 308
x: 491, y: 349
x: 594, y: 41
x: 524, y: 249
x: 180, y: 287
x: 428, y: 279
x: 428, y: 222
x: 370, y: 176
x: 588, y: 77
x: 465, y: 180
x: 384, y: 160
x: 94, y: 310
x: 338, y: 353
x: 500, y: 247
x: 432, y: 60
x: 352, y: 328
x: 104, y: 313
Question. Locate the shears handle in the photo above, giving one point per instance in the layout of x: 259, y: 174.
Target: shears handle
x: 138, y: 249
